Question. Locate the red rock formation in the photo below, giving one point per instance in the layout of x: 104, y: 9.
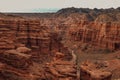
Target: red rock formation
x: 30, y: 33
x: 60, y: 69
x: 90, y: 71
x: 99, y: 70
x: 103, y: 35
x: 47, y: 35
x: 15, y: 59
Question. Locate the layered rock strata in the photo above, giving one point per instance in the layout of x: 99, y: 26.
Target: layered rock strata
x: 44, y: 35
x: 59, y: 69
x: 102, y: 35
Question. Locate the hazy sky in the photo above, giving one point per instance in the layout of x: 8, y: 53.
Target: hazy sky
x: 27, y: 5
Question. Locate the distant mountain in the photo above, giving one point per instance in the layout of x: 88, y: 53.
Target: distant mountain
x: 104, y: 15
x: 45, y: 10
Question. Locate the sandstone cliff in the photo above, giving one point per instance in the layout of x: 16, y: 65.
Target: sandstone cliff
x: 34, y: 39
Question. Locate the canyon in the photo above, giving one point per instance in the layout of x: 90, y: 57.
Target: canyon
x: 53, y: 46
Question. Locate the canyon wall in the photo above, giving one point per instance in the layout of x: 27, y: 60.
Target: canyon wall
x: 65, y: 31
x: 102, y: 35
x: 19, y: 35
x: 96, y: 27
x: 30, y: 33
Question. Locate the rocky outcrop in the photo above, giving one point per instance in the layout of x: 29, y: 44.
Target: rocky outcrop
x: 99, y: 70
x: 103, y: 35
x: 16, y: 59
x: 23, y: 50
x: 90, y: 72
x: 59, y: 69
x: 8, y: 72
x: 30, y: 33
x: 14, y: 65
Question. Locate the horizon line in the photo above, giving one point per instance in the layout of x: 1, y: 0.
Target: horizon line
x: 47, y: 10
